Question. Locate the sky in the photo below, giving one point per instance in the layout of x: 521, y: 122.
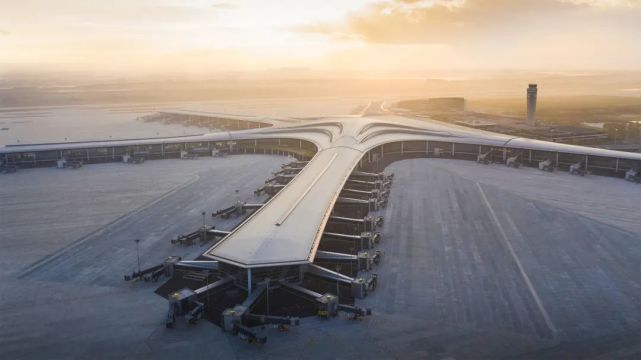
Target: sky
x: 360, y: 36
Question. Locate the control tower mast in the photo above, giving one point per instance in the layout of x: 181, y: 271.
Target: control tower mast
x: 531, y: 104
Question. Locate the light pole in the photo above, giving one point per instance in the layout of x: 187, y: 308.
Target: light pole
x: 203, y: 230
x: 267, y: 295
x: 338, y: 270
x: 207, y: 286
x: 138, y: 252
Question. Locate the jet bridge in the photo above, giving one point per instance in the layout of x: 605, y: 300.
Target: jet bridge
x: 364, y: 241
x: 237, y: 320
x: 202, y: 235
x: 239, y: 208
x: 189, y: 303
x: 363, y: 259
x: 360, y: 286
x: 367, y: 223
x: 328, y: 304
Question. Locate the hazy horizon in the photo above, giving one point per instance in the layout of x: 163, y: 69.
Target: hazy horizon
x: 361, y: 38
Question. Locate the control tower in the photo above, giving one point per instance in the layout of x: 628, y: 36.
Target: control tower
x: 531, y: 104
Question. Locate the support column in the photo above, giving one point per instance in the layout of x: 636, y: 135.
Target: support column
x: 586, y: 162
x: 249, y: 281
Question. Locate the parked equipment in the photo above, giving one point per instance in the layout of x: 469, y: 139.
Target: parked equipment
x: 137, y: 158
x: 513, y: 161
x: 633, y: 175
x: 188, y: 155
x: 184, y: 302
x: 547, y: 165
x: 68, y: 164
x: 154, y: 272
x: 578, y: 169
x: 484, y: 158
x: 223, y: 149
x: 221, y: 153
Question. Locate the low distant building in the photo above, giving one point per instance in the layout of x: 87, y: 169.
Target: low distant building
x: 567, y: 134
x: 629, y: 131
x: 434, y: 104
x: 633, y: 131
x: 477, y: 124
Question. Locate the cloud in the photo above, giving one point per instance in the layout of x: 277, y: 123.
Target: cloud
x: 607, y: 3
x: 4, y: 32
x: 447, y: 21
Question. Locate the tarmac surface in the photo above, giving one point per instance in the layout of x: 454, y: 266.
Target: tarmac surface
x: 479, y: 262
x: 493, y: 260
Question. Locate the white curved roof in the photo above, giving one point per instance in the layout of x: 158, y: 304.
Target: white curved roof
x: 287, y: 229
